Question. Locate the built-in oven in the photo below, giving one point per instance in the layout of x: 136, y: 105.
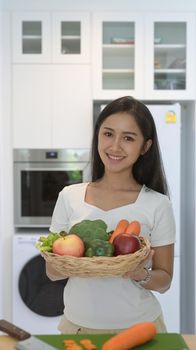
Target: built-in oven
x: 39, y: 175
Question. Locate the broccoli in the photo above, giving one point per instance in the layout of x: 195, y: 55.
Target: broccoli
x: 89, y: 230
x: 98, y: 247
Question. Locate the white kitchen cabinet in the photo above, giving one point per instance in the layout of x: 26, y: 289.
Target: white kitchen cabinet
x: 147, y: 56
x: 117, y: 55
x: 72, y: 106
x: 31, y: 33
x: 70, y: 37
x: 32, y: 106
x: 169, y: 60
x: 56, y: 37
x: 52, y: 106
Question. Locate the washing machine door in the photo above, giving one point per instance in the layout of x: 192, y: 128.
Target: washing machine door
x: 38, y: 292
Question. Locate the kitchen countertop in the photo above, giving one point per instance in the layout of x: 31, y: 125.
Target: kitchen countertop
x: 7, y: 343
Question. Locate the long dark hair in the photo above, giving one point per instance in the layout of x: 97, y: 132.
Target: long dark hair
x: 148, y: 169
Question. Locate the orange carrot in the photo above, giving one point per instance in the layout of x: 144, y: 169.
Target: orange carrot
x: 70, y: 344
x: 120, y: 228
x: 87, y: 344
x: 133, y: 228
x: 73, y: 347
x: 136, y: 335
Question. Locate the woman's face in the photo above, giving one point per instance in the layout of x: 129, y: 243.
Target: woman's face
x: 120, y: 142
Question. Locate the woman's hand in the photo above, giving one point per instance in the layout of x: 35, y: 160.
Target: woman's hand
x: 161, y: 260
x: 139, y: 273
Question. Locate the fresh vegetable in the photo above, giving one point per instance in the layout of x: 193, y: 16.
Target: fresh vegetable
x: 89, y: 230
x: 70, y: 245
x: 87, y: 344
x: 45, y: 243
x: 133, y: 228
x: 71, y: 344
x: 120, y: 228
x: 98, y: 247
x: 136, y: 335
x: 126, y: 244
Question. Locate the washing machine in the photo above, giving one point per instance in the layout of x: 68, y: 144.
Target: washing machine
x: 37, y: 302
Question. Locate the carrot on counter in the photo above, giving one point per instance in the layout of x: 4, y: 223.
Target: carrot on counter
x: 70, y: 344
x: 136, y: 335
x: 120, y: 228
x: 87, y: 344
x: 133, y: 228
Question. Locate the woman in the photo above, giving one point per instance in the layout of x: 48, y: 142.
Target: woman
x: 128, y: 182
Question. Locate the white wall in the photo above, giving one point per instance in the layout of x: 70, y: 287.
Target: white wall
x: 99, y: 5
x: 6, y: 187
x: 188, y: 210
x: 195, y: 234
x: 1, y: 182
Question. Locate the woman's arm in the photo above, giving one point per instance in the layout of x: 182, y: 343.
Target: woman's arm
x: 52, y: 274
x: 162, y: 269
x: 160, y: 276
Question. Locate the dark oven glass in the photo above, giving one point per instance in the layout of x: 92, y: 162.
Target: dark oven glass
x: 40, y: 188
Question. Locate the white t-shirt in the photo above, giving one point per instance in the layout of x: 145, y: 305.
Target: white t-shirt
x: 115, y: 302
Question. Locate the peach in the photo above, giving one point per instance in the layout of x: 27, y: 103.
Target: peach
x: 70, y: 245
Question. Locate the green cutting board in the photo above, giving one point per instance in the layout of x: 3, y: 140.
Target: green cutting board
x: 166, y: 341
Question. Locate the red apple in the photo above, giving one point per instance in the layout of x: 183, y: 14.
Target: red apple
x: 126, y: 244
x: 71, y: 245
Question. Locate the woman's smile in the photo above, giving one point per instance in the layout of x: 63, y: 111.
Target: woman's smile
x: 120, y: 142
x: 114, y: 157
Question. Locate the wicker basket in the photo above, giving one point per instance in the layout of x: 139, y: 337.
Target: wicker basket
x: 98, y: 266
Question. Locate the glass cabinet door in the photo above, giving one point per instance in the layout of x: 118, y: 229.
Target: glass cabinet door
x: 170, y: 55
x: 169, y: 65
x: 31, y: 37
x: 71, y: 37
x: 118, y: 55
